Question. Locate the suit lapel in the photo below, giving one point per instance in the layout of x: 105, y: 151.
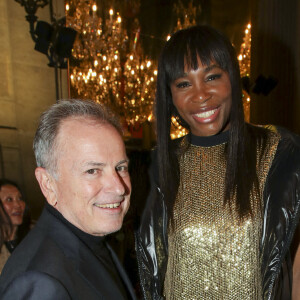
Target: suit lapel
x: 122, y: 272
x: 92, y: 270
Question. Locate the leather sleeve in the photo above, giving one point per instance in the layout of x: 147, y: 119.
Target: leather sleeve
x: 282, y: 212
x: 150, y: 242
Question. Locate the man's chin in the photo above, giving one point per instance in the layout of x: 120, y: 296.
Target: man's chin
x: 109, y: 230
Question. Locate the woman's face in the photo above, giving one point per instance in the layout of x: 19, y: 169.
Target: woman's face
x: 203, y: 99
x: 13, y: 203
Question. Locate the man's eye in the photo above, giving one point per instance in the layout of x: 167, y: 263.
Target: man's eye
x: 183, y: 84
x: 92, y: 171
x: 122, y: 169
x: 9, y: 199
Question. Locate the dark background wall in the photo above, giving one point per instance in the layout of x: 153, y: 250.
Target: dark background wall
x: 275, y: 53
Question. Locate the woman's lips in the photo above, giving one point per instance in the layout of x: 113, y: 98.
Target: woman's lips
x: 17, y: 214
x: 206, y: 116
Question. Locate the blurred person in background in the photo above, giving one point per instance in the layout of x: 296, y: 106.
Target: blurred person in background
x: 14, y: 218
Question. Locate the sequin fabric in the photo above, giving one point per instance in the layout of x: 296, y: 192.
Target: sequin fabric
x: 212, y: 253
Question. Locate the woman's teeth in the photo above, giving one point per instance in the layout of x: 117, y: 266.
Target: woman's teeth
x: 206, y: 114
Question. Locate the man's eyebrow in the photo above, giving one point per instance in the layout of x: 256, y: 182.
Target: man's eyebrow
x: 123, y: 161
x: 93, y: 164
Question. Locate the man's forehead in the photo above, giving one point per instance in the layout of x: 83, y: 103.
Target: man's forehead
x: 89, y: 136
x: 75, y: 127
x: 82, y: 120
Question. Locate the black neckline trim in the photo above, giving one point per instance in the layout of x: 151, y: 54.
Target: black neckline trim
x: 208, y: 141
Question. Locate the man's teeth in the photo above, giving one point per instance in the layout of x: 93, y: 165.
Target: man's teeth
x: 206, y: 114
x: 113, y: 205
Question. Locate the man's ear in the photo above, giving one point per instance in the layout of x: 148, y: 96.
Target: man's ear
x: 47, y: 185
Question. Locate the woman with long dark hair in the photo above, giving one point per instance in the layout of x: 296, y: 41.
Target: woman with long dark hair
x: 14, y: 218
x: 224, y: 203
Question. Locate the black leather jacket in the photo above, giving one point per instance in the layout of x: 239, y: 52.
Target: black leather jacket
x: 281, y: 216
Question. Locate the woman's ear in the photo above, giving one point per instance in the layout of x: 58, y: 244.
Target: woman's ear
x: 47, y: 185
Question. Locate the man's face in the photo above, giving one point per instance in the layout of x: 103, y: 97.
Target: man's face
x: 93, y: 186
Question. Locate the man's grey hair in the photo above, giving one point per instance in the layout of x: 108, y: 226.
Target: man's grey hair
x: 44, y: 144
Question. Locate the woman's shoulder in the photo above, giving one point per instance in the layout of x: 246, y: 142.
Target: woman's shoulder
x: 266, y: 136
x: 288, y: 142
x: 262, y: 130
x: 274, y: 130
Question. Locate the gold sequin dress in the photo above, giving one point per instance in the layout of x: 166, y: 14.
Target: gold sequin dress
x: 212, y: 254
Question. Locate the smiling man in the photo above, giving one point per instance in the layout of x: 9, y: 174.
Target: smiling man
x: 82, y: 170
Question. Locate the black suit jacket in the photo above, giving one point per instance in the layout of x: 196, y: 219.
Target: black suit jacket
x: 53, y: 263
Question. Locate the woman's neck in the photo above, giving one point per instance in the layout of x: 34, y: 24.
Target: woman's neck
x: 13, y: 233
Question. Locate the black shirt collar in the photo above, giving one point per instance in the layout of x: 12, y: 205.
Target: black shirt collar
x: 208, y: 141
x: 90, y: 240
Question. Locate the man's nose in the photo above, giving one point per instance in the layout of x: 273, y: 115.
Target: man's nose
x: 116, y: 184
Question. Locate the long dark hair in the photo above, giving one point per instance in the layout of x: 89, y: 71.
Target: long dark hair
x: 5, y: 222
x: 208, y: 44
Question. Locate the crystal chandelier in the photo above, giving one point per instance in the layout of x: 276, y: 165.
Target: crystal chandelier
x: 244, y: 63
x: 108, y: 64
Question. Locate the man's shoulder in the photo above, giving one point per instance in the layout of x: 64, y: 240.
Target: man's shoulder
x: 41, y: 286
x: 38, y: 252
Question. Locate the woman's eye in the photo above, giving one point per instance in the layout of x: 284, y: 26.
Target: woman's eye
x: 9, y: 199
x: 213, y: 77
x: 183, y: 84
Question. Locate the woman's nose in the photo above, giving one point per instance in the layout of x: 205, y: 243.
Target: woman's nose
x: 200, y: 94
x: 17, y: 203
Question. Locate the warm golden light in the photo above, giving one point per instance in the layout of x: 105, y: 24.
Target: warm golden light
x: 111, y: 69
x: 244, y: 62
